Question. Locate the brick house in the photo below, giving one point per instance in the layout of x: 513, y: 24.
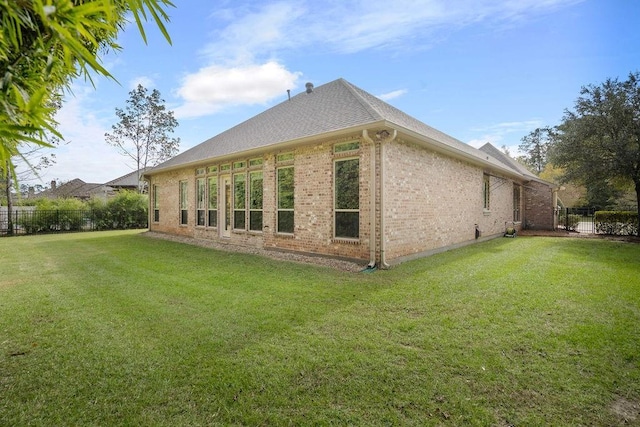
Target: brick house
x: 338, y: 172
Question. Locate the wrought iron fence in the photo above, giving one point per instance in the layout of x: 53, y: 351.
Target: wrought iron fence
x: 32, y: 221
x: 581, y: 219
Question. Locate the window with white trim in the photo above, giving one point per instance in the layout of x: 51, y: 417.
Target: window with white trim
x: 516, y: 203
x: 486, y: 192
x: 347, y: 198
x: 255, y: 200
x: 200, y: 201
x: 239, y: 201
x: 212, y: 212
x: 285, y: 213
x: 184, y: 203
x: 156, y: 204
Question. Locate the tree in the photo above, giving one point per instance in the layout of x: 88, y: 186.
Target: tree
x: 44, y: 45
x: 536, y: 148
x: 142, y: 133
x: 599, y: 141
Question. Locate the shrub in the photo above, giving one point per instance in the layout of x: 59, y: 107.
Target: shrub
x: 570, y: 222
x: 621, y: 223
x: 128, y: 209
x: 54, y: 215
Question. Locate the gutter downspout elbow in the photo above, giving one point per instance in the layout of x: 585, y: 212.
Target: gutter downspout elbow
x: 372, y: 200
x: 383, y: 261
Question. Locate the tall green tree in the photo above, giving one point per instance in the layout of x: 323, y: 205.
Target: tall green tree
x: 142, y: 134
x: 599, y: 140
x: 536, y: 146
x: 44, y: 45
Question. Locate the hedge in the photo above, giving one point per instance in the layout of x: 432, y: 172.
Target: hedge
x: 620, y: 223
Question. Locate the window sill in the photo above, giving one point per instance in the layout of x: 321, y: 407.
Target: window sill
x: 486, y: 212
x: 346, y: 240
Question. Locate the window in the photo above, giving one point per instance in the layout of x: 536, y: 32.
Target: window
x: 184, y: 205
x: 156, y: 205
x: 200, y: 195
x: 486, y: 192
x: 346, y: 146
x: 239, y: 198
x: 285, y: 200
x: 213, y: 202
x: 255, y: 201
x: 284, y: 157
x: 516, y: 203
x: 347, y: 198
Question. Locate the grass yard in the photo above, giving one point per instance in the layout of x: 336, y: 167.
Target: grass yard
x: 115, y: 328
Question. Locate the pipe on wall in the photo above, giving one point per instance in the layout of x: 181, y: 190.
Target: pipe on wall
x: 372, y: 200
x: 383, y: 262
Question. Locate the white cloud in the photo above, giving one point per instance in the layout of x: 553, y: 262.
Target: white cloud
x: 502, y: 134
x: 215, y: 87
x: 392, y: 95
x: 145, y: 81
x: 84, y: 154
x: 242, y: 65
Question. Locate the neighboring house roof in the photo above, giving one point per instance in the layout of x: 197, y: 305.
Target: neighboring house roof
x: 333, y: 108
x: 76, y: 188
x: 129, y: 180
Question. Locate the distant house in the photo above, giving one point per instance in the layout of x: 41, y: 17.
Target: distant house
x: 336, y: 171
x: 130, y: 181
x: 76, y: 189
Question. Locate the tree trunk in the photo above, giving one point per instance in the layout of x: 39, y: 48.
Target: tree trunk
x: 638, y: 206
x: 7, y: 183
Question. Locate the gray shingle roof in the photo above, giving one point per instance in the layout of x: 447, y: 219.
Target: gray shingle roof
x: 332, y: 107
x: 128, y: 180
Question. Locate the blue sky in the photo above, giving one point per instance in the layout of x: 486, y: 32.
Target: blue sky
x: 478, y: 70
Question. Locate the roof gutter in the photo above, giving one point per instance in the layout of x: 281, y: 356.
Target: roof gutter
x: 372, y: 200
x: 283, y: 145
x: 383, y: 260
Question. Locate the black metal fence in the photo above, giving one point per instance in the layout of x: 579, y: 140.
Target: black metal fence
x: 579, y: 220
x: 36, y: 221
x: 582, y: 219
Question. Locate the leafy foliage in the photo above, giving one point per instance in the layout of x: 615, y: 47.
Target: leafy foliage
x: 599, y: 141
x: 616, y: 222
x: 536, y: 147
x: 142, y: 132
x: 44, y: 45
x: 128, y: 209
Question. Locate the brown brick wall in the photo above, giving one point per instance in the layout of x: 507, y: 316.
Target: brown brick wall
x: 539, y: 212
x: 433, y: 201
x: 313, y: 200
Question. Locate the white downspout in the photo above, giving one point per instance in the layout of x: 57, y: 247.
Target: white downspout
x: 383, y: 262
x: 372, y: 200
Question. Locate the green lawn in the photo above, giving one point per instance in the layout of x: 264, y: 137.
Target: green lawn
x: 115, y: 328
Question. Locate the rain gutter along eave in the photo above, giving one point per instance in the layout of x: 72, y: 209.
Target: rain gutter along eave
x: 279, y: 146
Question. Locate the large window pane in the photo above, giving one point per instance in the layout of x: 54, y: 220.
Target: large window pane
x: 347, y: 224
x: 347, y: 198
x: 200, y: 201
x: 255, y: 201
x: 285, y: 200
x: 285, y: 221
x: 347, y: 184
x: 285, y: 188
x: 184, y: 213
x: 239, y: 200
x: 213, y: 202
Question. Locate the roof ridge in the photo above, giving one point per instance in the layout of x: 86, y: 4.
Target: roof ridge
x: 356, y: 91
